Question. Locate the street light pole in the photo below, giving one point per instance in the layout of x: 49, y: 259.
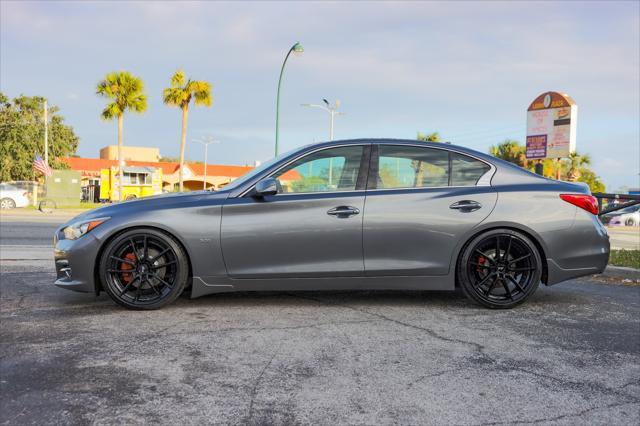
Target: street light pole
x: 331, y: 109
x: 206, y: 141
x: 297, y: 50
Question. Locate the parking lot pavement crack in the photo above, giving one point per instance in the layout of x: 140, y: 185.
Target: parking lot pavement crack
x: 430, y: 376
x: 256, y: 384
x: 476, y: 346
x: 590, y: 386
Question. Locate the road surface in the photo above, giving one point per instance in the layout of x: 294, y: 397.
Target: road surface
x: 570, y: 355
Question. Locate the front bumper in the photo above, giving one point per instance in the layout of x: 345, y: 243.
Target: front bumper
x: 75, y: 263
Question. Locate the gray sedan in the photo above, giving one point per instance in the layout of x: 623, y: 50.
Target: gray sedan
x: 358, y: 214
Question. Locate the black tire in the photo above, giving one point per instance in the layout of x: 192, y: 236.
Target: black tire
x: 499, y: 269
x: 630, y: 222
x: 158, y: 265
x: 130, y: 197
x: 7, y: 204
x: 46, y: 206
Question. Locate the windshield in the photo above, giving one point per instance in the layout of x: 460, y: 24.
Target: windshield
x: 7, y: 187
x: 256, y: 171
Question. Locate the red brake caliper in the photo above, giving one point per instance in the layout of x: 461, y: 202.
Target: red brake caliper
x: 127, y: 277
x: 481, y: 261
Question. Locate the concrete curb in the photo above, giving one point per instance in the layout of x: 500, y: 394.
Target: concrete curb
x: 622, y: 271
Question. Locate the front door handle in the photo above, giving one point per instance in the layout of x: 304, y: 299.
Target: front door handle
x: 466, y: 206
x: 343, y: 211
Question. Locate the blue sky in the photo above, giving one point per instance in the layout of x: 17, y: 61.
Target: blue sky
x: 465, y: 69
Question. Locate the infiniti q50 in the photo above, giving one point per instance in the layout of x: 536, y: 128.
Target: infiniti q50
x: 357, y: 214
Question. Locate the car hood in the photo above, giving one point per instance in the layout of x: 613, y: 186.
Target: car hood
x: 149, y: 203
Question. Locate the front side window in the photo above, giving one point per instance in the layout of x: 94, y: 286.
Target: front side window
x: 329, y: 170
x: 412, y: 167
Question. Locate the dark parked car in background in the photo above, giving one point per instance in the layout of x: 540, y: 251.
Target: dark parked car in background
x: 358, y: 214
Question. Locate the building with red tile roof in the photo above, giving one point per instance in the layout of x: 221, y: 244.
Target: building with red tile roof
x: 217, y: 175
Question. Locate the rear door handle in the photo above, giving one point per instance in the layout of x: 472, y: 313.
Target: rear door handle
x: 466, y: 206
x: 343, y: 211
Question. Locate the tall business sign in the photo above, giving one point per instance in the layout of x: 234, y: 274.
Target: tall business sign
x: 551, y: 126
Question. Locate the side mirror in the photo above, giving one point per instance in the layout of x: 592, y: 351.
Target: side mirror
x: 267, y: 186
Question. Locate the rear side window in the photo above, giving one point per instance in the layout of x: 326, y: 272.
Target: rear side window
x: 417, y: 167
x: 412, y: 167
x: 466, y: 171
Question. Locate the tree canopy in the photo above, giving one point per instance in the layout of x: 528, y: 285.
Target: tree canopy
x: 181, y: 91
x: 22, y: 137
x: 125, y: 90
x: 429, y: 137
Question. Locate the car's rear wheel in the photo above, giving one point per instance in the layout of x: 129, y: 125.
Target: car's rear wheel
x: 630, y: 222
x: 7, y: 204
x: 143, y: 269
x: 499, y: 269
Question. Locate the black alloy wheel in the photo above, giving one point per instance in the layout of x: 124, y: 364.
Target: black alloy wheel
x: 143, y: 269
x: 499, y: 269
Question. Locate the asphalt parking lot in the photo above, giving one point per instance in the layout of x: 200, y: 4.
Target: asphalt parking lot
x: 570, y: 355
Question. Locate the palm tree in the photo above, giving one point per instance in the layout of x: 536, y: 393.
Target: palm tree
x: 179, y: 95
x: 419, y: 166
x: 577, y: 162
x: 510, y: 151
x: 429, y: 137
x: 127, y: 93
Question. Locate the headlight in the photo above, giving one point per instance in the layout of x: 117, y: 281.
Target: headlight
x: 78, y: 229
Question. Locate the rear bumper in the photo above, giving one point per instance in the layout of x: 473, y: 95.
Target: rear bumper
x: 584, y: 252
x: 74, y: 262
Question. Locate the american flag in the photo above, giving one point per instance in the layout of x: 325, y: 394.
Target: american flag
x: 41, y: 166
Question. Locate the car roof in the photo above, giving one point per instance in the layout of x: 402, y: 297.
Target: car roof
x: 439, y: 145
x: 506, y: 172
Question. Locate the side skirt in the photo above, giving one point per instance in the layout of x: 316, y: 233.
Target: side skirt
x: 209, y: 285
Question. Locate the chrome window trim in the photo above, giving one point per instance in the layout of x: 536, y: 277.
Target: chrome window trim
x: 484, y: 181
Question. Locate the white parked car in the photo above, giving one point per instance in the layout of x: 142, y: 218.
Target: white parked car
x: 12, y: 197
x: 629, y: 216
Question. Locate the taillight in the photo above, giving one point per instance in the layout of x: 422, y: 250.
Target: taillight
x: 586, y: 202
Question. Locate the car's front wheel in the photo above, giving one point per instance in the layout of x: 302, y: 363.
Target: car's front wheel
x: 143, y: 269
x: 7, y: 204
x: 499, y: 269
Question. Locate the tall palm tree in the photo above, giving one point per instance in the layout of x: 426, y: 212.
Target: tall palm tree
x: 127, y: 93
x: 419, y: 167
x: 179, y: 95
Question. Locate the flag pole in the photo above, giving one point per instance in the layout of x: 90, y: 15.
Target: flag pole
x: 46, y: 144
x: 46, y: 134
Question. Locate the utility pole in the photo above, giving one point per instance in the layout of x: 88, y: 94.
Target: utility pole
x: 206, y: 141
x: 46, y: 134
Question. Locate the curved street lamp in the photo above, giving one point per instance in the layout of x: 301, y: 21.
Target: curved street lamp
x: 297, y: 50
